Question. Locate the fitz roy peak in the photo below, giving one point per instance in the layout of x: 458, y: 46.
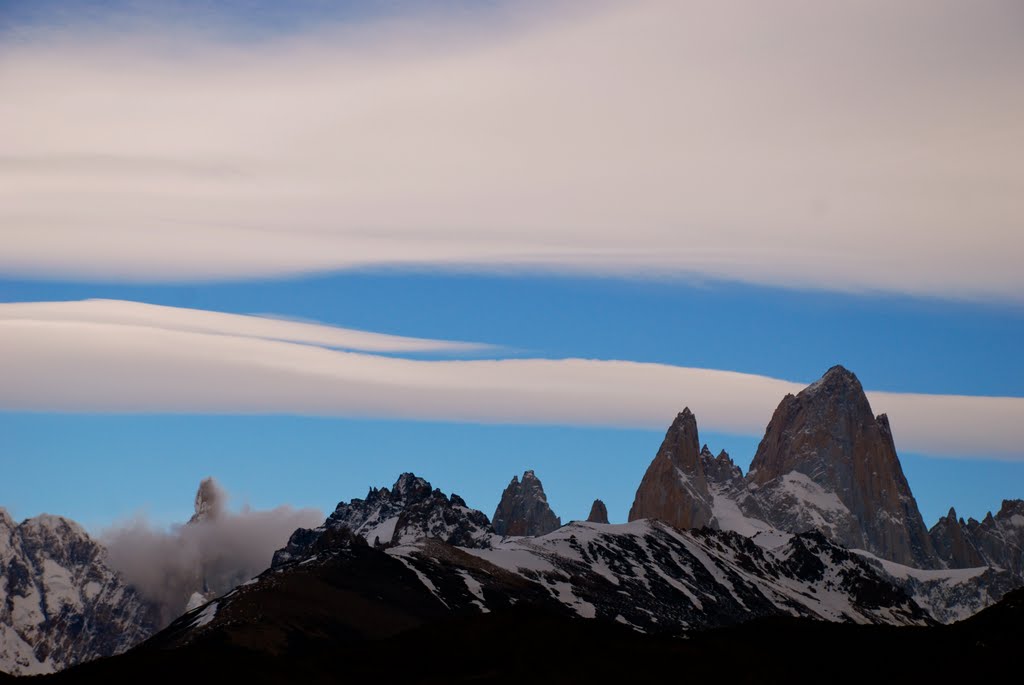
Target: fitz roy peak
x: 825, y: 463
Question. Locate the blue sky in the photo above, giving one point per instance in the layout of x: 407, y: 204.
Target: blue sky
x: 99, y: 468
x: 681, y: 196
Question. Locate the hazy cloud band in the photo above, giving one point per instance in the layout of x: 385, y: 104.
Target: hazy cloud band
x: 860, y: 145
x: 102, y: 366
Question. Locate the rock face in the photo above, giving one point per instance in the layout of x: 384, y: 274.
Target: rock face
x: 524, y: 509
x: 827, y: 462
x: 598, y: 512
x: 675, y: 488
x: 999, y: 539
x: 60, y: 603
x: 411, y: 510
x: 720, y: 470
x: 949, y: 539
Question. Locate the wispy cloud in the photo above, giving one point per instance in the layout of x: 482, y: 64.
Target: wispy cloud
x: 143, y: 315
x: 77, y: 364
x: 869, y: 145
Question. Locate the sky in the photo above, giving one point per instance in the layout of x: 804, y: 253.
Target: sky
x: 303, y: 248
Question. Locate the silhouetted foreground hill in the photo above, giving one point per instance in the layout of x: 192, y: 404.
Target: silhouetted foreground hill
x: 527, y: 644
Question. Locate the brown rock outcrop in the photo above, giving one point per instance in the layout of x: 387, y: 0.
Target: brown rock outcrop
x: 825, y: 448
x: 999, y: 539
x: 675, y: 488
x: 524, y: 509
x: 721, y: 469
x: 598, y: 512
x: 949, y: 539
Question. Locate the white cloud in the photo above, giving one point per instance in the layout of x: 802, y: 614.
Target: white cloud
x: 860, y: 145
x: 138, y: 314
x: 81, y: 365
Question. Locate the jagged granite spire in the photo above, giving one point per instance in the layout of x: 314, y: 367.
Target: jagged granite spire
x: 951, y: 543
x: 999, y: 539
x: 825, y: 449
x: 598, y: 512
x: 675, y: 488
x: 720, y: 469
x: 524, y: 509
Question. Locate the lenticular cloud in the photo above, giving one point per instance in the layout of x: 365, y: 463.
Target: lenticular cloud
x: 739, y: 140
x: 152, y: 363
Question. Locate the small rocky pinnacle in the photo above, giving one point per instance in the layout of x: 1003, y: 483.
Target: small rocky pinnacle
x: 598, y: 512
x: 524, y: 509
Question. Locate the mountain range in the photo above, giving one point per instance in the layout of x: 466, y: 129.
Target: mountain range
x: 823, y: 528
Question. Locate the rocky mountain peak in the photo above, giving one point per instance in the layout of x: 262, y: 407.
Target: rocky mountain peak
x: 1011, y: 508
x: 64, y: 604
x: 999, y: 539
x: 675, y: 487
x: 598, y: 512
x: 209, y: 502
x: 952, y: 543
x: 721, y: 469
x: 410, y: 510
x: 524, y: 509
x: 828, y: 434
x: 837, y: 382
x: 409, y: 486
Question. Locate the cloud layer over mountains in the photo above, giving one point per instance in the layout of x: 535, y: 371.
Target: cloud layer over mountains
x: 131, y: 357
x: 864, y: 146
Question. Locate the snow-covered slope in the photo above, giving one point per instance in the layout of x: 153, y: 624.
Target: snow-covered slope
x: 410, y: 510
x: 657, y: 578
x: 60, y: 604
x: 949, y: 595
x: 646, y: 574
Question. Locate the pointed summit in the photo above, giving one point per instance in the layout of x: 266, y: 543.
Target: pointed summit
x: 524, y: 509
x: 837, y: 380
x: 209, y: 503
x: 999, y: 539
x: 598, y: 512
x: 410, y: 511
x: 951, y: 543
x: 720, y: 470
x: 675, y: 488
x: 824, y: 450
